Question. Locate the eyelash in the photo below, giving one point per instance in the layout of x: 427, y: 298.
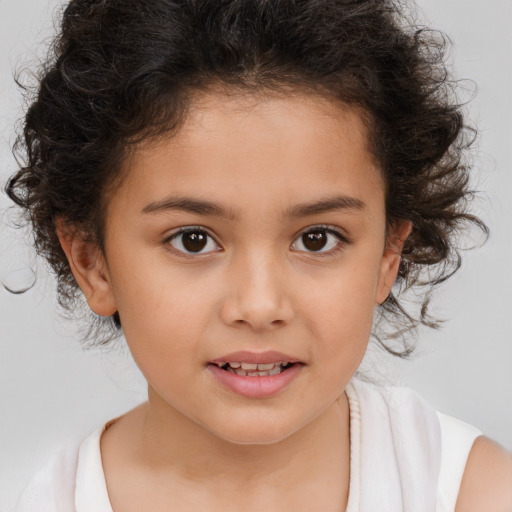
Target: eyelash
x: 342, y: 241
x: 189, y: 229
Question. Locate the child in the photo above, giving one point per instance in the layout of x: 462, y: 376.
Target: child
x: 238, y: 185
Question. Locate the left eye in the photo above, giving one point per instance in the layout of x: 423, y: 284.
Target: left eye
x: 193, y: 241
x: 317, y: 240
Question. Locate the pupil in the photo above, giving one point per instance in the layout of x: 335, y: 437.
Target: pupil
x: 194, y: 241
x: 315, y: 240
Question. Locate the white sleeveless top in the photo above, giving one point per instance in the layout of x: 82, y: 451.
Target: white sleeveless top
x: 404, y: 457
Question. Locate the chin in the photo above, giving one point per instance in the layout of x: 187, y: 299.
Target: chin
x: 254, y: 432
x: 255, y: 438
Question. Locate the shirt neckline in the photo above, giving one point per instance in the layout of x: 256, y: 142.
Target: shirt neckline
x: 91, y: 486
x: 354, y: 490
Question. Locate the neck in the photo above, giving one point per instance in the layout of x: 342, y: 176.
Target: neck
x: 308, y: 470
x: 170, y: 440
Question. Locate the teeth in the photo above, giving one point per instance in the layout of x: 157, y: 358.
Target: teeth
x: 254, y: 366
x: 277, y: 369
x: 256, y: 373
x: 254, y: 369
x: 249, y: 366
x: 268, y: 366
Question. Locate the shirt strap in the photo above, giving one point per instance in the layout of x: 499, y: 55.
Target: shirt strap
x: 457, y: 439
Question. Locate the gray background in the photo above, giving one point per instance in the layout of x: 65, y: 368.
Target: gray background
x: 51, y: 389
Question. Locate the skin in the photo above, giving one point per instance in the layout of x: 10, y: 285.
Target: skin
x: 487, y: 480
x: 256, y: 287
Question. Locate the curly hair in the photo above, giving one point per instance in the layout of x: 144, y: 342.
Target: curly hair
x: 121, y: 72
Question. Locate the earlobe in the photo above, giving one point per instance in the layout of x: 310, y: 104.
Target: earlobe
x: 89, y: 268
x: 391, y: 258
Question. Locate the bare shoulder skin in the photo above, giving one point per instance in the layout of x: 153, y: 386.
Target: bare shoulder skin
x: 487, y: 481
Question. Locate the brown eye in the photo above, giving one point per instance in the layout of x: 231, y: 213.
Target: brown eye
x: 315, y: 240
x: 319, y: 240
x: 193, y: 241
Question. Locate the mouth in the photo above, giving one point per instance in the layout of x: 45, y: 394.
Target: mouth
x: 255, y: 369
x: 256, y: 375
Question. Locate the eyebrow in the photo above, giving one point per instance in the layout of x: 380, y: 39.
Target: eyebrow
x: 190, y: 205
x: 206, y: 208
x: 326, y: 205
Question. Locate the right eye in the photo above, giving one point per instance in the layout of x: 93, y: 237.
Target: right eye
x: 193, y: 241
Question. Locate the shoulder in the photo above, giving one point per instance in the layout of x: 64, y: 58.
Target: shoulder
x: 487, y: 479
x: 70, y: 474
x: 51, y: 488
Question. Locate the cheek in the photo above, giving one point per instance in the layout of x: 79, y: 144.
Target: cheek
x: 163, y: 312
x: 350, y: 292
x: 340, y: 308
x: 159, y: 303
x: 164, y: 328
x: 147, y: 281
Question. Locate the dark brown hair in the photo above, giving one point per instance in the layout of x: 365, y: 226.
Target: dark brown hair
x: 123, y: 71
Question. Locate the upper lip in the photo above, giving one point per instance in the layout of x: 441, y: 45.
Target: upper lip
x: 245, y: 356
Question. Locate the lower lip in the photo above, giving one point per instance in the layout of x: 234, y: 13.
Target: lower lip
x: 255, y: 387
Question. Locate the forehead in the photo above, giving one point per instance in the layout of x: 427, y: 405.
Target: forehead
x: 235, y: 146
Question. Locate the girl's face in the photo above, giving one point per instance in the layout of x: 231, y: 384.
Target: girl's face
x: 256, y: 235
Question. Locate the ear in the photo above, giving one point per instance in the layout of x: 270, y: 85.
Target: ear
x: 89, y: 268
x: 391, y: 258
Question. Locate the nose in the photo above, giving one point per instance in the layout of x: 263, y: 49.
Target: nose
x: 257, y: 295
